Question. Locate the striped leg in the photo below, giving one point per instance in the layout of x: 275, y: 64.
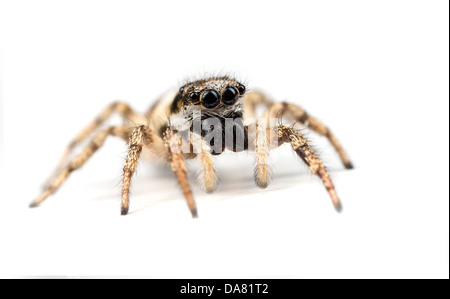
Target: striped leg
x: 121, y: 108
x: 303, y: 150
x: 173, y: 144
x: 78, y: 161
x: 296, y: 113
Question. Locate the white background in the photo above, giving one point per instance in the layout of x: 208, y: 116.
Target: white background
x: 376, y: 72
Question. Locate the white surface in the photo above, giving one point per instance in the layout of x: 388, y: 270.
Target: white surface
x: 375, y: 72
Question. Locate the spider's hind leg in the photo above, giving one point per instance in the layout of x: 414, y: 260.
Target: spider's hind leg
x: 252, y: 101
x: 97, y: 141
x: 125, y: 112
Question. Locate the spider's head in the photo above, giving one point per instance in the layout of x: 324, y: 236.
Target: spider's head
x: 212, y: 94
x: 217, y: 104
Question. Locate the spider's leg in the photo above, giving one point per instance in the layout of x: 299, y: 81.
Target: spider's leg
x: 252, y: 101
x: 296, y: 113
x: 97, y: 141
x: 173, y: 144
x: 262, y: 170
x: 139, y: 136
x: 202, y: 150
x: 304, y: 151
x: 121, y: 108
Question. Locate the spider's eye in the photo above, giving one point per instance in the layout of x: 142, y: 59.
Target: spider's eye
x: 194, y: 96
x: 230, y: 96
x: 241, y: 89
x: 210, y: 99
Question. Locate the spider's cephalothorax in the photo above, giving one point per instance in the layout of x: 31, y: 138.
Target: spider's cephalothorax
x: 213, y: 95
x: 213, y: 109
x: 201, y: 119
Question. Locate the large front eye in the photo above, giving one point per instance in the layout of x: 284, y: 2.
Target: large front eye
x: 210, y: 99
x: 230, y: 96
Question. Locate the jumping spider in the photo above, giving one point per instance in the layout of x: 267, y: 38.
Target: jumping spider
x: 201, y: 119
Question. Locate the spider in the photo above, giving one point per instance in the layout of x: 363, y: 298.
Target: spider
x: 201, y: 119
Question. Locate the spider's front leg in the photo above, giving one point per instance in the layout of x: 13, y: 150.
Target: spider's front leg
x: 174, y: 144
x: 139, y: 136
x: 304, y: 151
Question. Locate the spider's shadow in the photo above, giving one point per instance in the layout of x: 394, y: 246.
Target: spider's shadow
x: 159, y: 186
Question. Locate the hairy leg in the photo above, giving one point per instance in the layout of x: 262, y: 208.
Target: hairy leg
x: 97, y: 141
x: 296, y: 113
x: 173, y: 144
x: 121, y: 108
x: 304, y: 151
x: 139, y: 136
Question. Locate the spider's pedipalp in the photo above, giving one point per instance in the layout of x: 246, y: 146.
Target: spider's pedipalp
x: 304, y: 151
x: 97, y: 141
x: 208, y: 173
x: 207, y: 176
x: 262, y: 170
